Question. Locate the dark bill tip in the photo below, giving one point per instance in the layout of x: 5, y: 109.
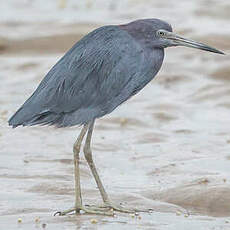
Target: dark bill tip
x: 210, y: 49
x: 180, y: 41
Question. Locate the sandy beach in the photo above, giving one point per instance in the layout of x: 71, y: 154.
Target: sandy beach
x: 166, y: 149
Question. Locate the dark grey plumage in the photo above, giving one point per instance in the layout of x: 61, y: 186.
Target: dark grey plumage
x: 102, y: 70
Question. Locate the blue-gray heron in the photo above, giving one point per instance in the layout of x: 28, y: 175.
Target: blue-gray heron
x: 101, y: 71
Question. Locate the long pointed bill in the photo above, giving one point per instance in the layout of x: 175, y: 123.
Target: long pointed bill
x: 180, y: 41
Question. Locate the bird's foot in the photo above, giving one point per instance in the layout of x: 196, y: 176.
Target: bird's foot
x: 87, y: 210
x: 119, y: 208
x: 106, y: 209
x: 116, y: 207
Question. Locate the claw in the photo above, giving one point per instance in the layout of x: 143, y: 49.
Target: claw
x: 58, y: 213
x: 63, y: 213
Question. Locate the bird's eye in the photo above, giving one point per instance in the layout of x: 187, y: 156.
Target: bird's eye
x: 161, y: 33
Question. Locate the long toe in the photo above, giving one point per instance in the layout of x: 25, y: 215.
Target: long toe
x: 119, y: 208
x: 87, y: 210
x: 97, y: 211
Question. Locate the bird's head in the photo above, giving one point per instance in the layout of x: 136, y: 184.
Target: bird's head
x: 155, y: 33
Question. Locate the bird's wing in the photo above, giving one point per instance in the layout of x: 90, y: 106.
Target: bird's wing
x: 94, y: 71
x: 94, y: 75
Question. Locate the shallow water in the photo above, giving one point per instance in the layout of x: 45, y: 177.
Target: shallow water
x: 166, y: 149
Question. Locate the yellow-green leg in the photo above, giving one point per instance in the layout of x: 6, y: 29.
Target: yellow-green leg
x: 88, y: 156
x: 108, y: 207
x: 78, y: 199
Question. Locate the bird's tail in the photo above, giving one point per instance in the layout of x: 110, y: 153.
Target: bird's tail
x: 25, y: 117
x: 18, y: 118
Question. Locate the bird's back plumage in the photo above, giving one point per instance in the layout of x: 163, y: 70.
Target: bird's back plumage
x: 97, y: 74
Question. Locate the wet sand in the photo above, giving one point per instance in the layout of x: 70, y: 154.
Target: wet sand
x: 166, y: 149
